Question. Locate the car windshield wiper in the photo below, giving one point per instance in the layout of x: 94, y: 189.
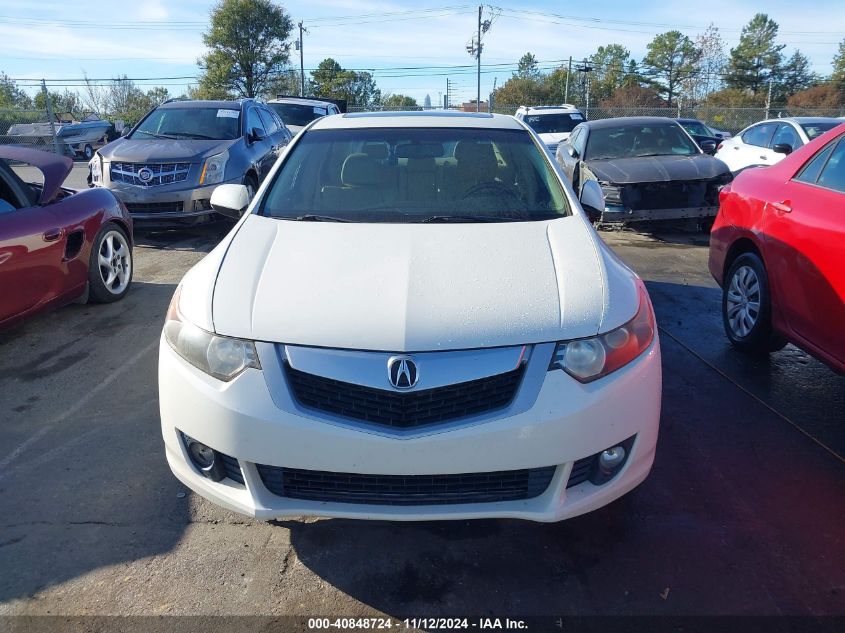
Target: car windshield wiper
x: 464, y: 218
x: 153, y: 134
x: 197, y: 136
x: 317, y: 218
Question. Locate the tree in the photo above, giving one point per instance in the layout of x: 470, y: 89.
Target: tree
x: 839, y: 66
x: 671, y: 59
x: 553, y: 85
x: 633, y: 96
x: 331, y: 80
x: 518, y: 91
x: 795, y: 76
x: 608, y: 72
x: 247, y: 48
x: 399, y: 102
x: 735, y: 98
x: 823, y: 96
x: 62, y: 102
x: 527, y: 67
x: 707, y: 75
x: 756, y: 59
x: 11, y: 96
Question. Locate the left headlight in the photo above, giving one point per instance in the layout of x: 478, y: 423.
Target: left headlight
x: 214, y: 168
x: 589, y: 359
x: 223, y: 357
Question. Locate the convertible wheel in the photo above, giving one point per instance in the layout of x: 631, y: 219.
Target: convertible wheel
x: 746, y: 307
x: 110, y: 266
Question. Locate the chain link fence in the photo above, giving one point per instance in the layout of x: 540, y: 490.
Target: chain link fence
x: 27, y: 127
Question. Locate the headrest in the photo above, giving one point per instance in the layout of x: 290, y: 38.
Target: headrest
x: 473, y: 152
x: 377, y: 150
x: 358, y: 170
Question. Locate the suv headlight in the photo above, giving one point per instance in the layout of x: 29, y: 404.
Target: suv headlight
x: 95, y: 165
x: 223, y: 357
x: 214, y: 168
x: 589, y: 359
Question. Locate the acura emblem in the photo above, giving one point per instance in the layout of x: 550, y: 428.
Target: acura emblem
x: 402, y: 372
x: 145, y: 175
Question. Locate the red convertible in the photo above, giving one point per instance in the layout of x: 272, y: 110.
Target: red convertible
x: 57, y: 245
x: 778, y: 250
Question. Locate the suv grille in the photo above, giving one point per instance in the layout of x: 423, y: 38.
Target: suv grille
x: 404, y: 410
x: 161, y: 173
x: 406, y: 490
x: 154, y: 207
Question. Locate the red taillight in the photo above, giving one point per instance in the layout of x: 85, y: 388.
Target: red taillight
x: 719, y: 146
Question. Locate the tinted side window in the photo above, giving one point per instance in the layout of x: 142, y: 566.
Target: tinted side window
x: 811, y: 171
x: 759, y: 135
x: 268, y: 121
x: 254, y: 121
x: 787, y: 135
x: 580, y: 142
x: 833, y: 174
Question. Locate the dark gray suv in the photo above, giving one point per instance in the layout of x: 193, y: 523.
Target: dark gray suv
x: 166, y: 167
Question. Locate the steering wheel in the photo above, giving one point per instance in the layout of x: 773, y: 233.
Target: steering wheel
x: 491, y: 188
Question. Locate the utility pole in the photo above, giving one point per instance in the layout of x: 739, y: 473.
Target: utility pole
x: 446, y: 98
x: 586, y: 68
x: 769, y: 98
x: 566, y: 91
x: 301, y: 62
x: 478, y: 57
x: 50, y: 117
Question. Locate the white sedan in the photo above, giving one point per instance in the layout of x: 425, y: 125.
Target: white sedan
x: 413, y: 320
x: 767, y: 142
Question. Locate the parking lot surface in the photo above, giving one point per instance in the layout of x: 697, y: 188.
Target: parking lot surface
x: 741, y: 515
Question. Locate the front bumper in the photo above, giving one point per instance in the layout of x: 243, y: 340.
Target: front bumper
x: 614, y: 214
x: 167, y: 203
x: 567, y: 422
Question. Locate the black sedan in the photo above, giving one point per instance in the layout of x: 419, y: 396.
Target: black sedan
x: 705, y: 137
x: 649, y: 168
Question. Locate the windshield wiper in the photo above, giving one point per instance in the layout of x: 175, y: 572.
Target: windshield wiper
x: 317, y: 218
x: 464, y: 218
x: 197, y: 136
x: 153, y: 134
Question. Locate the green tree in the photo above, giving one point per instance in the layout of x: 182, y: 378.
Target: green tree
x: 62, y: 102
x: 633, y: 95
x: 757, y: 58
x: 158, y: 95
x: 399, y: 102
x: 248, y: 49
x: 11, y: 96
x: 518, y: 91
x: 527, y: 67
x: 839, y: 65
x: 359, y: 89
x: 553, y: 85
x: 671, y: 59
x: 735, y: 98
x: 608, y: 72
x: 707, y: 75
x: 795, y: 76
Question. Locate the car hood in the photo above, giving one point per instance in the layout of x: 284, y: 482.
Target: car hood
x: 413, y: 287
x: 54, y: 168
x: 131, y: 150
x: 553, y: 137
x: 622, y: 171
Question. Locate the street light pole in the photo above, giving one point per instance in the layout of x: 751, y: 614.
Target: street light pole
x: 301, y: 63
x: 478, y: 58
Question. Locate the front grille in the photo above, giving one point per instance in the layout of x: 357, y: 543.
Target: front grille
x: 154, y: 207
x: 404, y: 410
x: 231, y: 467
x: 672, y: 195
x: 581, y: 471
x: 406, y: 490
x: 161, y: 173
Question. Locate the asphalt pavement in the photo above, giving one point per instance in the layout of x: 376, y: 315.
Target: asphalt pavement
x: 741, y: 515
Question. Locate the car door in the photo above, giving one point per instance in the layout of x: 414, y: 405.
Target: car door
x: 752, y: 148
x: 260, y: 144
x: 564, y: 157
x: 32, y: 244
x: 277, y: 137
x: 806, y: 239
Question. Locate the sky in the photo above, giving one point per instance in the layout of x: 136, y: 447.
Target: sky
x: 59, y: 41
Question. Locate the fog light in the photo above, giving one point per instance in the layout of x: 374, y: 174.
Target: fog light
x: 612, y: 458
x: 204, y: 458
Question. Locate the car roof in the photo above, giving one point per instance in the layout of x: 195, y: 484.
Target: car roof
x: 417, y: 119
x: 801, y: 119
x: 689, y: 121
x: 202, y: 103
x: 564, y: 107
x: 302, y: 100
x: 628, y: 120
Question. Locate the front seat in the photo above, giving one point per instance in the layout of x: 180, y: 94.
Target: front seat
x: 362, y: 186
x: 475, y: 163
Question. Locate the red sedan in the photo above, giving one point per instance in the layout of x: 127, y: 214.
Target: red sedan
x: 56, y: 245
x: 778, y: 250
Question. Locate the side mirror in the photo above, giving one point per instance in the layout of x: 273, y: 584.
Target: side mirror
x: 230, y: 200
x: 708, y: 147
x: 782, y: 148
x: 592, y: 200
x: 571, y: 151
x: 254, y: 135
x: 125, y: 130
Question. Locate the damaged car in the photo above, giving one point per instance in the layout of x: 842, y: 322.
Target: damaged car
x: 649, y: 168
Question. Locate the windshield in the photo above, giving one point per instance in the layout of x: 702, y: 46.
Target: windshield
x: 297, y: 113
x: 812, y: 130
x: 697, y: 129
x: 415, y: 175
x: 190, y: 123
x: 553, y: 123
x: 631, y: 141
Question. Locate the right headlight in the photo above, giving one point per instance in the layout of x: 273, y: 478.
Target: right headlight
x: 96, y: 167
x: 223, y: 357
x: 589, y: 359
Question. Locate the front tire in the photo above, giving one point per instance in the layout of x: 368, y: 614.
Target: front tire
x: 747, y: 308
x: 110, y: 265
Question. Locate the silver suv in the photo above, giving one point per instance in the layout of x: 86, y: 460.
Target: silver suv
x: 551, y: 123
x: 298, y: 112
x: 166, y: 167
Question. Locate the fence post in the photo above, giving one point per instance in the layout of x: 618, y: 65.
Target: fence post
x: 50, y: 117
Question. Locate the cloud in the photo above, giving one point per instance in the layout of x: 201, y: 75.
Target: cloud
x: 151, y: 11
